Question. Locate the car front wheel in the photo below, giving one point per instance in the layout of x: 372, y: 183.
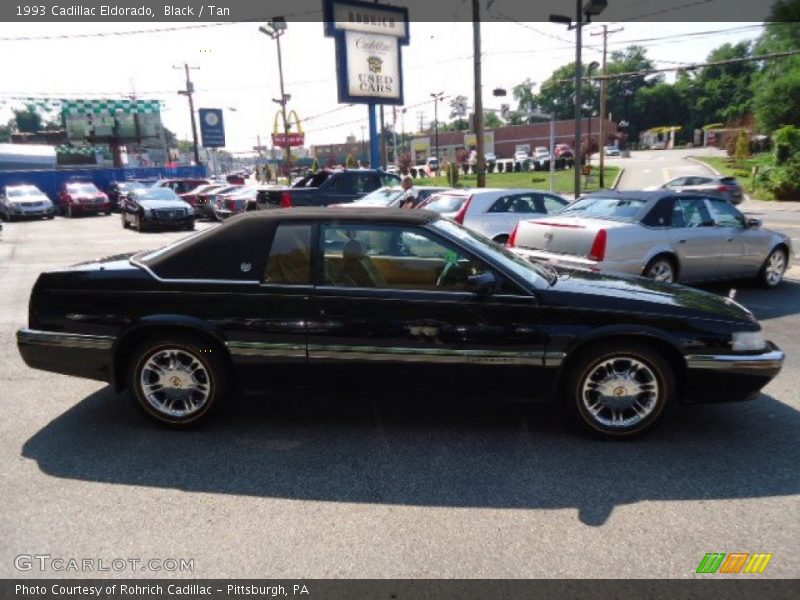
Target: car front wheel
x: 177, y: 381
x: 618, y: 390
x: 773, y: 269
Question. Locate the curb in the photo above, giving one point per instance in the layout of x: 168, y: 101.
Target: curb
x: 617, y: 178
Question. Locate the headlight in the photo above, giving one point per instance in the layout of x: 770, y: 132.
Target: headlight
x: 146, y: 211
x: 748, y: 341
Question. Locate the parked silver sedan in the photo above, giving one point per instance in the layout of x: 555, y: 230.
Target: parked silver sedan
x: 21, y: 201
x: 493, y: 212
x: 661, y: 235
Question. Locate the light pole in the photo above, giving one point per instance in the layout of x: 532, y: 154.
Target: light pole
x: 275, y: 29
x: 590, y: 9
x: 592, y: 66
x: 436, y: 97
x: 188, y: 93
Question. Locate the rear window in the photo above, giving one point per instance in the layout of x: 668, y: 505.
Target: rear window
x: 289, y: 259
x: 445, y: 204
x: 625, y: 209
x: 729, y: 180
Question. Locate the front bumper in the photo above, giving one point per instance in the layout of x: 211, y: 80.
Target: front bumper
x: 67, y: 353
x: 91, y: 208
x: 175, y: 223
x: 731, y: 377
x: 32, y: 211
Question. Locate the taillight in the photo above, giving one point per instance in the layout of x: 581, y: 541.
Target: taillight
x: 463, y: 212
x: 598, y: 251
x: 512, y: 239
x: 726, y: 188
x: 286, y: 200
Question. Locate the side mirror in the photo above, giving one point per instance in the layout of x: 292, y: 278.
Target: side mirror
x: 482, y: 284
x: 753, y: 223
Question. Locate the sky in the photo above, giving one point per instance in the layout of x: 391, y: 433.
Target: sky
x: 238, y: 67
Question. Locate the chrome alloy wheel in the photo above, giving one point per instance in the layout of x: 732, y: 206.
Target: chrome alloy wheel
x: 662, y: 271
x: 619, y: 392
x: 175, y: 383
x: 775, y: 268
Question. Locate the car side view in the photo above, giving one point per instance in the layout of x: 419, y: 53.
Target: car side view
x: 672, y: 237
x: 225, y: 309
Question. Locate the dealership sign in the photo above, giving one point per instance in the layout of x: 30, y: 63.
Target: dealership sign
x: 212, y: 128
x: 368, y: 58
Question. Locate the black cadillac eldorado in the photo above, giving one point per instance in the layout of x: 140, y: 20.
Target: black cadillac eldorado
x: 182, y: 326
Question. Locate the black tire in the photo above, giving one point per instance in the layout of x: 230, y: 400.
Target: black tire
x: 661, y: 268
x: 50, y: 217
x: 190, y: 226
x: 208, y: 368
x: 125, y: 224
x: 774, y: 268
x: 584, y: 384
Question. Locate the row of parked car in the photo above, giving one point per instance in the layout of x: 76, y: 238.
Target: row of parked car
x: 165, y: 203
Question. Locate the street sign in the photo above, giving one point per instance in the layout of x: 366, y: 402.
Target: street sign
x: 212, y: 128
x: 295, y: 139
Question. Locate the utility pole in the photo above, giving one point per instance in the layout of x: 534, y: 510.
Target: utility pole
x: 188, y: 92
x: 421, y: 117
x: 275, y: 29
x: 476, y: 42
x: 436, y: 97
x: 384, y: 152
x: 603, y: 100
x: 394, y: 134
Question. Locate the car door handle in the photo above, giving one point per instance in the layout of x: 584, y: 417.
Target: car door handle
x: 681, y: 241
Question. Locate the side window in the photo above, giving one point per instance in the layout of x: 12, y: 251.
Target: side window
x: 500, y: 205
x: 553, y: 204
x: 680, y: 181
x: 525, y: 203
x: 726, y: 215
x: 389, y: 180
x: 663, y: 214
x: 391, y: 257
x: 693, y: 212
x: 289, y: 259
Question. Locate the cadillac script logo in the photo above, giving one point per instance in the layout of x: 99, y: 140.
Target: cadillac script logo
x: 375, y: 64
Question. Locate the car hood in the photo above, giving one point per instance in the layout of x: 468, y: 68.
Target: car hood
x: 159, y: 204
x: 578, y: 287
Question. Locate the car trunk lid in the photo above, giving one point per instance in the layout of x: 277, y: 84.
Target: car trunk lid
x: 566, y: 235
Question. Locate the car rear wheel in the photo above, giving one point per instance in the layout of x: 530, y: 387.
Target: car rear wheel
x: 773, y: 269
x: 177, y: 381
x: 661, y: 268
x: 618, y: 389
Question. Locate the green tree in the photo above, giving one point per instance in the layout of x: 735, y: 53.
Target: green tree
x: 491, y: 120
x: 776, y: 87
x: 660, y: 105
x: 5, y: 133
x: 27, y: 120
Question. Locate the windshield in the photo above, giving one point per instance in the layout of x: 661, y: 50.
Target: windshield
x: 128, y: 186
x: 82, y: 188
x: 156, y: 194
x: 625, y: 209
x: 16, y: 192
x: 380, y: 197
x: 532, y: 273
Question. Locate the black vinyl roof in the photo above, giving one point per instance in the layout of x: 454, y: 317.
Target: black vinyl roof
x: 376, y: 215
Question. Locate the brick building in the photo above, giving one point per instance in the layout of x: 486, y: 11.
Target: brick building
x: 503, y: 141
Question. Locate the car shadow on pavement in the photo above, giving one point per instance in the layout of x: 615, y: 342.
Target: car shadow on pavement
x: 765, y: 304
x: 428, y: 448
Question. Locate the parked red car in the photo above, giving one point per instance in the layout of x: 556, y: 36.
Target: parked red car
x: 82, y: 197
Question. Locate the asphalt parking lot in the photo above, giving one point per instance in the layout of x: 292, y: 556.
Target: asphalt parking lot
x: 381, y: 480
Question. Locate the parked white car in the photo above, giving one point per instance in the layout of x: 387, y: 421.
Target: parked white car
x: 520, y: 155
x: 20, y: 201
x: 494, y: 212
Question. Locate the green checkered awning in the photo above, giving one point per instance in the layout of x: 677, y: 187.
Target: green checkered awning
x: 109, y: 106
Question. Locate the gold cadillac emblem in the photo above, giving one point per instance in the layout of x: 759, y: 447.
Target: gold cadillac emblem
x: 175, y: 381
x: 618, y: 392
x: 375, y: 64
